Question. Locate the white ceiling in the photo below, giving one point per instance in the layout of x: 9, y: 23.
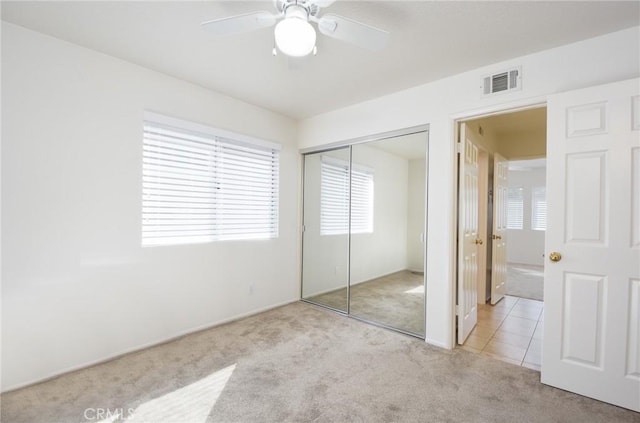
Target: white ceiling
x: 511, y: 125
x: 429, y: 40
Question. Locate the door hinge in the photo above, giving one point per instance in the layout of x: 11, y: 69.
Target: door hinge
x: 458, y: 310
x: 459, y: 147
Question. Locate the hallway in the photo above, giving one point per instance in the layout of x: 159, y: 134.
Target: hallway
x: 510, y: 331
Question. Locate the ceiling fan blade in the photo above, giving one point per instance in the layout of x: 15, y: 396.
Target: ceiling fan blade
x: 322, y: 3
x: 240, y: 23
x: 353, y: 32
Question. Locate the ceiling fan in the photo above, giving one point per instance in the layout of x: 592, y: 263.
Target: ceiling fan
x: 294, y: 34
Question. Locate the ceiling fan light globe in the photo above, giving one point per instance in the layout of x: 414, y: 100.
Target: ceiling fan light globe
x: 295, y: 37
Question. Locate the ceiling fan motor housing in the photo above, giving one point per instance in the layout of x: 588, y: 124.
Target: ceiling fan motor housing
x: 285, y: 6
x: 296, y: 11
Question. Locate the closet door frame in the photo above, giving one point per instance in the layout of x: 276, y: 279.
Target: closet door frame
x: 350, y: 143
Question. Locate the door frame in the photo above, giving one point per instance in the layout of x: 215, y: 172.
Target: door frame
x: 455, y: 120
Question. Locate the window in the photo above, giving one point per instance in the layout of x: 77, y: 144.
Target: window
x: 539, y: 209
x: 334, y: 198
x: 515, y: 208
x: 200, y: 185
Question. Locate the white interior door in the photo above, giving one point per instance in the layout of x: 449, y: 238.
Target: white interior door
x: 499, y: 236
x: 483, y: 223
x: 592, y: 281
x: 468, y: 239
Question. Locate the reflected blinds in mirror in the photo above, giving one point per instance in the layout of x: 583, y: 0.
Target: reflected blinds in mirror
x: 334, y: 198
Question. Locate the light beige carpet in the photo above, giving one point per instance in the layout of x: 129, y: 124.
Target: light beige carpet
x: 301, y: 363
x: 395, y: 300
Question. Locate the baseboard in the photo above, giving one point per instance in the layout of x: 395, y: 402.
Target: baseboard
x: 525, y: 264
x: 148, y: 345
x: 358, y: 283
x: 326, y: 291
x: 384, y: 276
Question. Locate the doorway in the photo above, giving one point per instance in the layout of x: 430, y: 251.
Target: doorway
x: 504, y: 259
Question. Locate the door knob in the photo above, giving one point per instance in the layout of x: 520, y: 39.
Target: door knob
x: 555, y: 257
x: 496, y: 237
x: 478, y: 241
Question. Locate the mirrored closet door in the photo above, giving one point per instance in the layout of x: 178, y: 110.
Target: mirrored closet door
x: 325, y: 245
x: 364, y: 231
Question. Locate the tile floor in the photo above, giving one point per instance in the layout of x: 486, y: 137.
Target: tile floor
x: 510, y: 331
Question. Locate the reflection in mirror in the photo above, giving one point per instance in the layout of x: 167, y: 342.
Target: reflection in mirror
x: 326, y: 228
x: 388, y: 232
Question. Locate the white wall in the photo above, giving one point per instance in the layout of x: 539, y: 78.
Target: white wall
x: 595, y: 61
x: 415, y: 215
x: 526, y: 246
x: 77, y: 286
x: 383, y: 251
x: 375, y: 254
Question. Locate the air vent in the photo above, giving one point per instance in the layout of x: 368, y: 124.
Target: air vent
x: 502, y: 81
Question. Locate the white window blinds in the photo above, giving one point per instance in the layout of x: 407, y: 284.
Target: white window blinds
x: 361, y: 201
x: 334, y: 198
x: 199, y: 187
x: 539, y: 209
x: 515, y: 208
